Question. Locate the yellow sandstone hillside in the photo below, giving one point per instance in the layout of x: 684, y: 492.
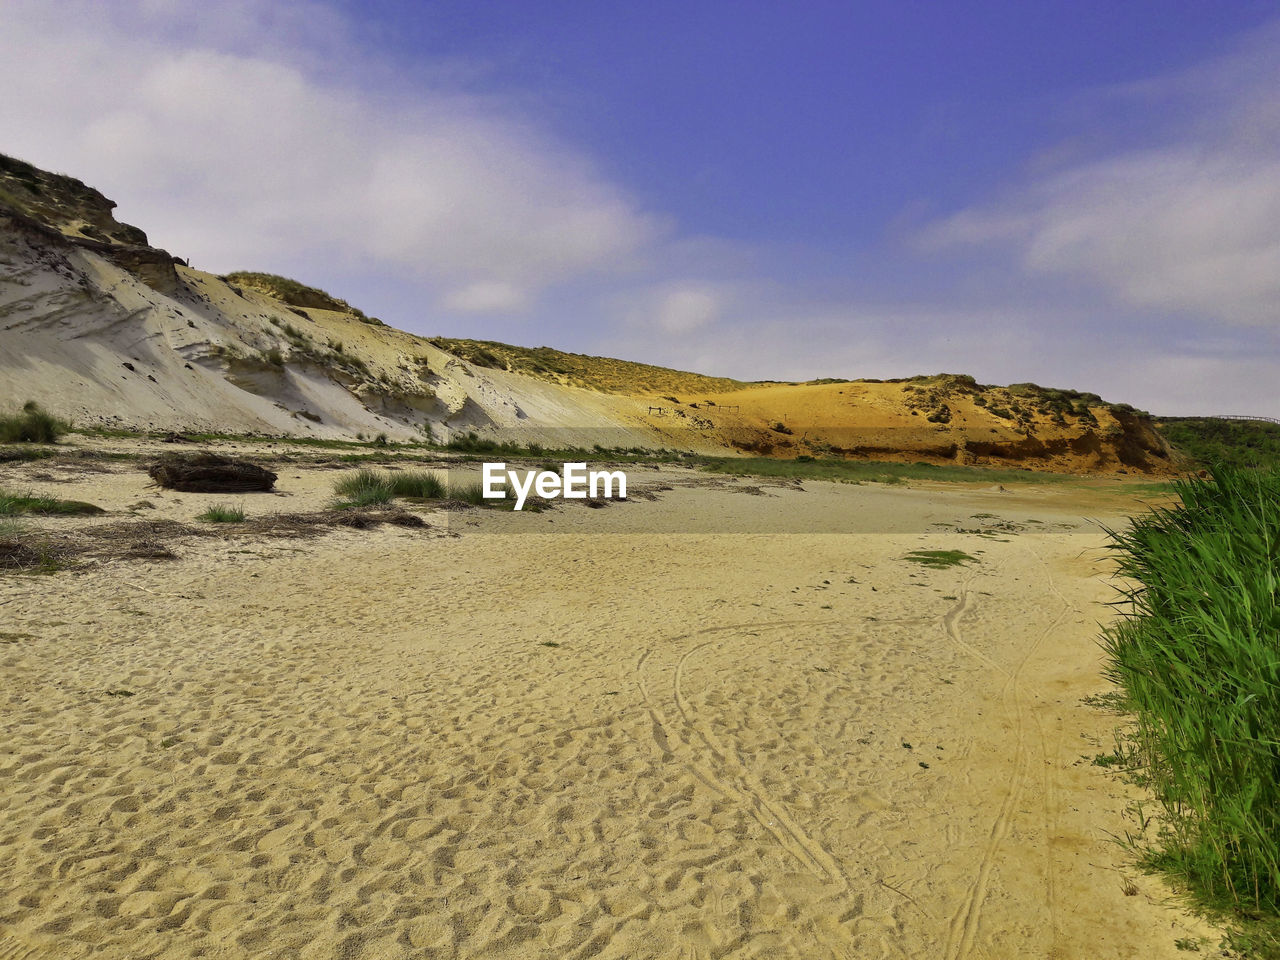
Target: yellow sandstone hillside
x: 97, y: 325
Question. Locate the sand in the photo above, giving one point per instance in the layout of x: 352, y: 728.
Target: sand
x: 476, y: 741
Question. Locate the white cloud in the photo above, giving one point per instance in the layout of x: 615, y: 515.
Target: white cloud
x: 486, y: 298
x: 1191, y: 224
x: 262, y: 135
x: 684, y: 309
x: 237, y: 153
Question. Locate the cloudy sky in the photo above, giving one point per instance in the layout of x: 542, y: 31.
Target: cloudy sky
x: 1079, y: 193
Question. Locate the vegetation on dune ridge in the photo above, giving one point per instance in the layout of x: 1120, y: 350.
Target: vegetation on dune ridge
x: 303, y: 347
x: 1198, y: 658
x: 1018, y: 402
x: 1236, y: 443
x: 604, y: 374
x: 62, y: 203
x: 294, y: 293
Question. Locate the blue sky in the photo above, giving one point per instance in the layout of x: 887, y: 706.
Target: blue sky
x: 1081, y: 194
x: 817, y: 122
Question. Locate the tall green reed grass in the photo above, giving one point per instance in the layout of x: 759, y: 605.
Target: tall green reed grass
x: 1198, y: 655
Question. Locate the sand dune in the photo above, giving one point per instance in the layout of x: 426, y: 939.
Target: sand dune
x: 98, y: 326
x: 483, y: 743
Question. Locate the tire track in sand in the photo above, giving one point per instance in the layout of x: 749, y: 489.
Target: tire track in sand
x: 963, y: 926
x: 728, y: 775
x: 1050, y: 807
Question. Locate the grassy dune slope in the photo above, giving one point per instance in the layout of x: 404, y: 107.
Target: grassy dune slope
x: 594, y: 373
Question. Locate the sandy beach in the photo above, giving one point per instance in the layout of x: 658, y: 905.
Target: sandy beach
x: 485, y: 741
x: 656, y: 482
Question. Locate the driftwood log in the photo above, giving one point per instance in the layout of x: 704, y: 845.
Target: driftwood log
x: 208, y: 473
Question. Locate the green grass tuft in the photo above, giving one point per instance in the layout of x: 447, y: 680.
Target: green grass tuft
x: 419, y: 484
x: 472, y: 493
x: 940, y: 559
x: 364, y: 488
x: 12, y: 504
x: 367, y: 487
x: 32, y: 425
x: 222, y: 513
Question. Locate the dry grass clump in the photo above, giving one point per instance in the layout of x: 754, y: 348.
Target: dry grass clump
x: 16, y: 555
x: 21, y: 549
x: 318, y: 522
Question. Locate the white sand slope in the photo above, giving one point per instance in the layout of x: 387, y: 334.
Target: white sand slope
x: 91, y: 341
x: 765, y: 746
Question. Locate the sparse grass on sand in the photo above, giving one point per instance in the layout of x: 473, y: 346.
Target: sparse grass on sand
x: 471, y: 446
x: 26, y: 455
x: 12, y: 504
x: 1198, y: 657
x: 939, y: 559
x: 864, y: 471
x: 222, y: 513
x: 32, y: 425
